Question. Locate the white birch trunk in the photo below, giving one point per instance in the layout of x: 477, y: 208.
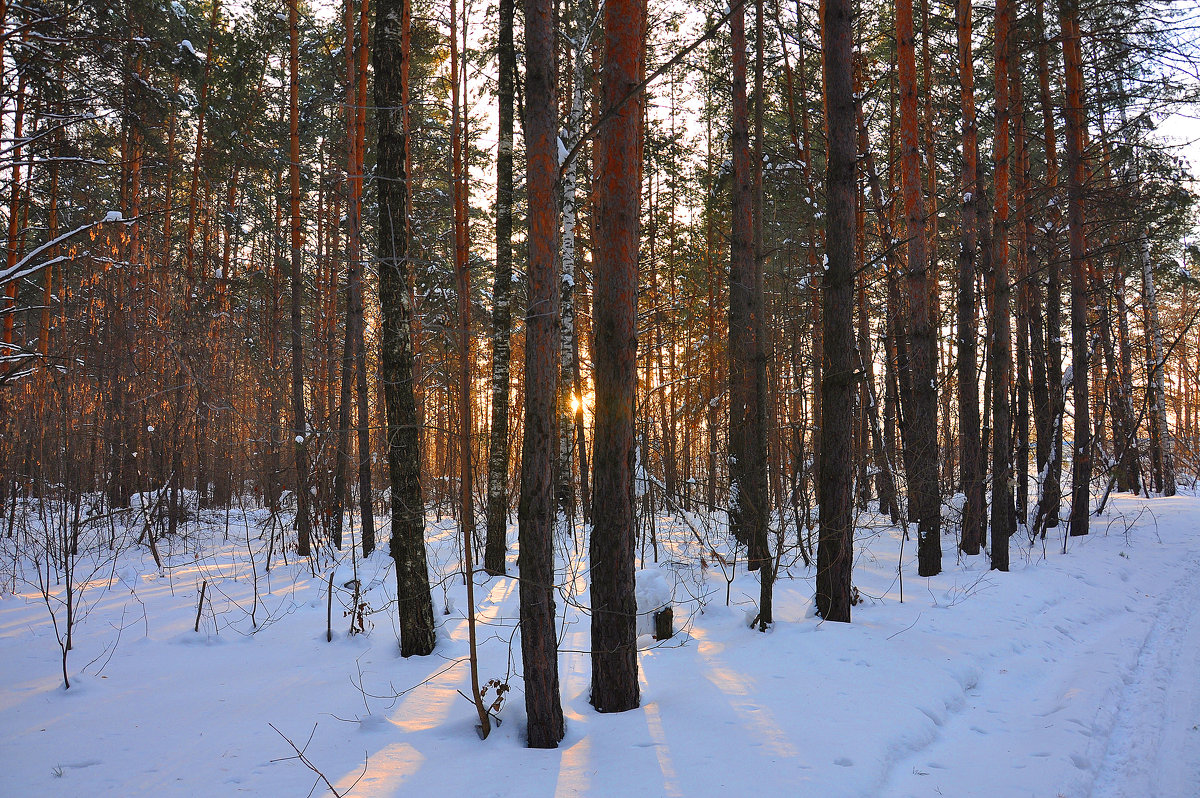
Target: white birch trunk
x: 1161, y: 434
x: 570, y: 210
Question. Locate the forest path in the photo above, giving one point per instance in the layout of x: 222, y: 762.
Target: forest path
x: 1097, y: 695
x: 1154, y: 749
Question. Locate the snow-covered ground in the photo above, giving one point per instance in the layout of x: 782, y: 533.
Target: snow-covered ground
x: 1073, y: 675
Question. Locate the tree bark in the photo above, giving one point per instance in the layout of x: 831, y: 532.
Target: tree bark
x: 835, y: 547
x: 299, y: 419
x: 617, y: 191
x: 391, y: 61
x: 921, y: 449
x: 1001, y: 355
x: 567, y: 396
x: 1081, y: 467
x: 1050, y: 476
x: 1162, y: 454
x: 971, y: 468
x: 747, y: 462
x: 496, y: 543
x: 539, y: 642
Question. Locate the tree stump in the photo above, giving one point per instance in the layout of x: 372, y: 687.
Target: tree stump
x: 664, y: 621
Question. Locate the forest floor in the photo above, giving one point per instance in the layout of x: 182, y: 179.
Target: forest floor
x: 1075, y: 674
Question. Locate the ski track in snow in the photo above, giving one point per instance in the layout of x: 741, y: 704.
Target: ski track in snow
x: 1110, y: 709
x: 1155, y: 746
x: 1073, y: 675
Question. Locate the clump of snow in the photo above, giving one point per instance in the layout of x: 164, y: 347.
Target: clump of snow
x: 653, y: 593
x: 157, y: 500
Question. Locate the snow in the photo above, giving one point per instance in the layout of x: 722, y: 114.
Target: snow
x: 114, y: 216
x: 1075, y: 674
x: 652, y: 593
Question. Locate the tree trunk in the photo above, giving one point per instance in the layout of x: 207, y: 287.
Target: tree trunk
x: 497, y: 477
x: 835, y: 547
x: 617, y: 191
x: 747, y: 478
x: 365, y: 494
x: 391, y: 61
x: 970, y: 455
x: 539, y: 641
x: 921, y: 447
x: 1050, y: 477
x: 1001, y: 354
x: 567, y: 396
x: 1162, y: 455
x: 1081, y: 468
x: 299, y: 420
x: 757, y: 433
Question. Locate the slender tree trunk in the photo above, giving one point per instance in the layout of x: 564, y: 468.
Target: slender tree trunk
x: 1020, y: 195
x: 1001, y: 354
x: 353, y: 284
x: 391, y: 61
x: 566, y: 382
x: 617, y: 192
x: 365, y: 493
x: 497, y: 477
x: 835, y: 547
x: 539, y: 641
x: 1050, y: 478
x: 194, y: 193
x: 758, y: 422
x: 459, y: 141
x: 1162, y: 454
x: 921, y: 449
x: 13, y: 248
x: 747, y: 491
x: 970, y: 455
x: 299, y: 420
x: 1081, y: 469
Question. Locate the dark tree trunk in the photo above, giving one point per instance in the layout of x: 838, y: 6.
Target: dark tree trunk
x: 835, y: 547
x: 391, y: 60
x: 1050, y: 475
x: 1081, y: 469
x: 747, y: 460
x: 970, y: 453
x: 617, y: 191
x: 539, y: 641
x: 758, y: 421
x: 1162, y: 456
x: 1126, y: 447
x: 1001, y: 355
x: 497, y: 476
x: 299, y: 421
x: 921, y: 446
x: 1023, y: 226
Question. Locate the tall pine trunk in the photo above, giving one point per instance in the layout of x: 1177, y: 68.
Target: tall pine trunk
x: 617, y: 192
x: 1081, y: 467
x: 1050, y: 474
x: 299, y: 421
x: 1162, y: 455
x: 835, y: 547
x: 921, y: 446
x: 497, y: 476
x: 414, y: 604
x: 1001, y: 354
x: 539, y: 641
x: 747, y: 462
x: 970, y: 453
